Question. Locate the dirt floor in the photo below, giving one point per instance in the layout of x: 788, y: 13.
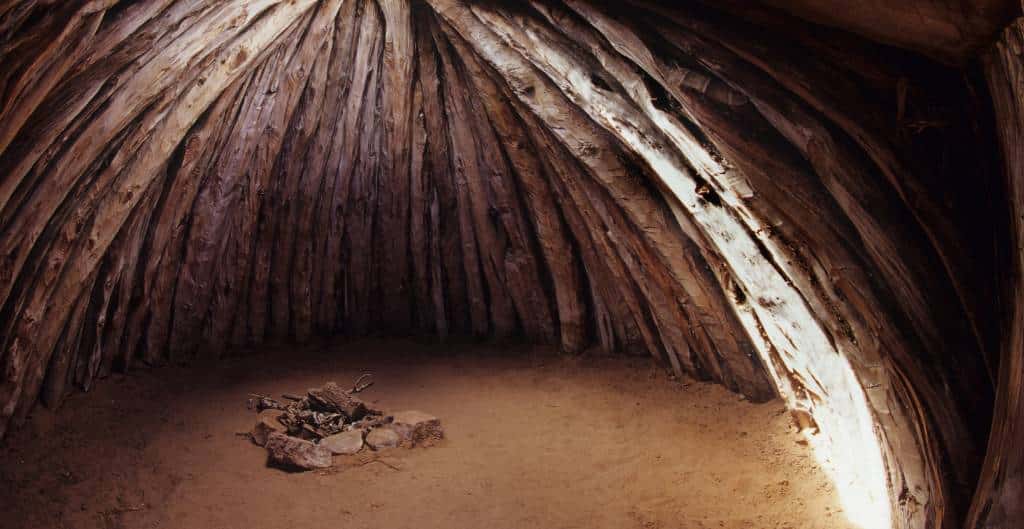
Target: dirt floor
x: 533, y: 440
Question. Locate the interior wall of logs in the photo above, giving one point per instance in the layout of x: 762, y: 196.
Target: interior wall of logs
x: 783, y: 208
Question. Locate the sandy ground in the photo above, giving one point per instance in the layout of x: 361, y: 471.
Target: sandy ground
x: 534, y: 440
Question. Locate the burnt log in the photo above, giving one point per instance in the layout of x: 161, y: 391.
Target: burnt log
x: 332, y: 398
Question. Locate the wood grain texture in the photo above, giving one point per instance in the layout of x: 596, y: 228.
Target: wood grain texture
x: 997, y: 502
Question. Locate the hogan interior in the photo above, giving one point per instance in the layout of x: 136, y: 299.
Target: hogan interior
x: 609, y: 264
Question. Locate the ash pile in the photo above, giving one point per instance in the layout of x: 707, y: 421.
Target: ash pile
x: 305, y: 432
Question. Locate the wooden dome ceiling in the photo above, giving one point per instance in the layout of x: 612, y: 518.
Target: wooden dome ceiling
x: 783, y: 208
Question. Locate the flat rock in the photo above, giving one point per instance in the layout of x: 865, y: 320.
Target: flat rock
x: 416, y: 428
x: 380, y: 438
x: 346, y: 443
x: 266, y: 423
x: 297, y: 453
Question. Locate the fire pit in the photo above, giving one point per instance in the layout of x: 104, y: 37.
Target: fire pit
x: 306, y: 432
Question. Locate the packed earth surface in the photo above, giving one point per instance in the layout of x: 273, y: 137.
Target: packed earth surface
x: 532, y: 439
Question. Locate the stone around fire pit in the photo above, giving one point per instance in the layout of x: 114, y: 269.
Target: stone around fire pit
x: 346, y: 443
x: 415, y: 428
x: 292, y: 452
x: 266, y: 424
x: 381, y: 438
